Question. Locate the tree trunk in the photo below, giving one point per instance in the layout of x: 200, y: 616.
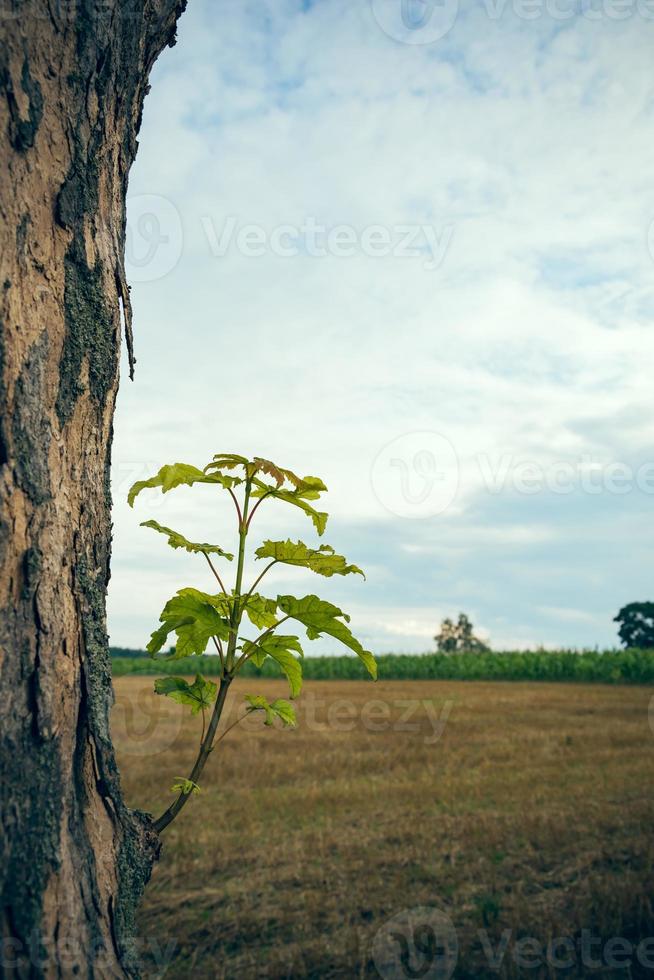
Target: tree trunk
x: 74, y: 860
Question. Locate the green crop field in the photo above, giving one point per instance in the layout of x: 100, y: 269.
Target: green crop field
x: 609, y: 666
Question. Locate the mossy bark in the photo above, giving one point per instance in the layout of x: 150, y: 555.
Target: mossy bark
x: 74, y: 860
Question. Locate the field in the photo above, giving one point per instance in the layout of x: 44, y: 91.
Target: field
x: 604, y: 666
x: 523, y: 812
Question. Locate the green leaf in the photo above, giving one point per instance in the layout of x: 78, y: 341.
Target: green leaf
x: 227, y: 461
x: 160, y: 635
x: 176, y: 540
x: 195, y: 617
x: 279, y: 648
x: 259, y: 649
x: 185, y: 786
x: 178, y: 474
x: 278, y: 709
x: 261, y: 611
x: 279, y: 474
x: 200, y: 694
x: 291, y: 668
x: 322, y: 617
x: 308, y: 488
x: 322, y: 560
x: 257, y: 465
x: 285, y: 712
x: 288, y: 486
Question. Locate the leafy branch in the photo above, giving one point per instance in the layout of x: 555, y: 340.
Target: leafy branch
x: 197, y: 618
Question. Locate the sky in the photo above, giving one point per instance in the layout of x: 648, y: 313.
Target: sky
x: 407, y: 247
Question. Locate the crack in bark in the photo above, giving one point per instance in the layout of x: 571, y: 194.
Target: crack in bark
x: 74, y: 859
x: 22, y: 131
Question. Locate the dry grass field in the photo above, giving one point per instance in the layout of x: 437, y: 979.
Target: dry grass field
x: 519, y: 810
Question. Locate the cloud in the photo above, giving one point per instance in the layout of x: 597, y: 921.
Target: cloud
x: 531, y: 340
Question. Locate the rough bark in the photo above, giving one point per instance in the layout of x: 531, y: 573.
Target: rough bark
x: 74, y: 859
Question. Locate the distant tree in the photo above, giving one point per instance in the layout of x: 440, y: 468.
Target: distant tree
x: 636, y: 625
x: 459, y: 636
x: 446, y: 640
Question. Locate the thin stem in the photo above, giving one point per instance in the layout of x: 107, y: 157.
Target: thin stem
x: 204, y: 722
x: 228, y: 729
x: 236, y: 504
x: 219, y: 647
x: 169, y: 815
x: 256, y: 581
x: 256, y: 507
x: 246, y: 656
x: 227, y: 676
x: 241, y: 660
x: 214, y: 570
x: 237, y: 608
x: 271, y: 629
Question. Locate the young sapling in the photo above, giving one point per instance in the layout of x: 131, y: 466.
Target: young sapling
x: 199, y: 618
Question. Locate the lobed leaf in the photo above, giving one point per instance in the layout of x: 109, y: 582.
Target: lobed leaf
x: 253, y: 466
x: 178, y: 474
x: 176, y: 540
x: 195, y: 617
x: 279, y: 474
x: 279, y: 649
x: 310, y: 489
x: 259, y: 464
x: 200, y: 694
x: 160, y: 635
x: 227, y: 461
x: 185, y: 786
x: 319, y: 616
x: 323, y: 560
x: 278, y: 709
x: 261, y: 611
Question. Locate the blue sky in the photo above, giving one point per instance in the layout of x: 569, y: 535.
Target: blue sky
x: 416, y: 261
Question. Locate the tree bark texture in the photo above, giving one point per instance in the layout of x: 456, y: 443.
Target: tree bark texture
x: 74, y: 860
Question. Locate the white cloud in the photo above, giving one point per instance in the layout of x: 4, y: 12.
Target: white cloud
x: 531, y: 139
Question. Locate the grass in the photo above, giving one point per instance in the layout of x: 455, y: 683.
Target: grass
x: 521, y: 807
